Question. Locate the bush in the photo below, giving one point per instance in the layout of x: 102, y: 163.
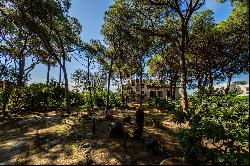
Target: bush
x: 39, y: 96
x: 157, y: 121
x: 29, y: 98
x: 99, y: 98
x: 163, y: 104
x: 115, y: 99
x: 76, y: 99
x: 221, y: 120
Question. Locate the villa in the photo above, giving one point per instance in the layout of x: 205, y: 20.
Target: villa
x: 161, y: 90
x: 242, y: 88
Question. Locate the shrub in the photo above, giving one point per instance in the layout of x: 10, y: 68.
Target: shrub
x: 221, y: 120
x: 163, y: 104
x: 115, y: 99
x: 157, y: 121
x: 39, y: 96
x: 99, y: 98
x: 76, y: 99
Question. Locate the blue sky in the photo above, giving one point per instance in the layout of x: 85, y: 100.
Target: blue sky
x: 90, y: 14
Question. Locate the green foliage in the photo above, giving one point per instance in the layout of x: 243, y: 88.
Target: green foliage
x: 76, y: 99
x: 157, y: 121
x: 99, y: 98
x: 39, y: 96
x: 163, y: 104
x: 221, y: 120
x: 116, y: 100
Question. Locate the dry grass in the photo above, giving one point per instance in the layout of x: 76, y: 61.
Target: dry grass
x: 43, y: 138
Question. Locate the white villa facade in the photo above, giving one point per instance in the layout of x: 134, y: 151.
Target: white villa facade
x: 153, y: 90
x: 243, y: 89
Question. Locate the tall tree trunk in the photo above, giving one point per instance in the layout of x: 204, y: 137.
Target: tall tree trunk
x: 171, y: 85
x: 199, y: 83
x: 89, y: 86
x: 229, y: 79
x: 15, y: 66
x: 123, y: 104
x: 66, y: 90
x: 174, y: 89
x: 60, y: 73
x: 48, y: 72
x: 184, y: 85
x: 205, y: 81
x: 6, y: 95
x: 109, y: 77
x: 141, y: 97
x: 21, y: 72
x: 66, y: 85
x: 184, y: 99
x: 211, y: 83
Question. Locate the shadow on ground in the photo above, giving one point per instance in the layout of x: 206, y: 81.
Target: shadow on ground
x: 48, y: 138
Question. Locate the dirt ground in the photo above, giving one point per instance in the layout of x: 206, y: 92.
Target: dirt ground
x: 48, y: 138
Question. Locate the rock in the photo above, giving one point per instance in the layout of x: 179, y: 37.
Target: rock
x: 116, y: 129
x: 151, y: 143
x: 174, y: 161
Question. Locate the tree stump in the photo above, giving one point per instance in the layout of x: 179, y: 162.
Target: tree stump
x: 139, y: 123
x: 116, y: 129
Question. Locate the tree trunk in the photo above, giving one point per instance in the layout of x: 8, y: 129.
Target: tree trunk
x: 199, y: 83
x: 89, y: 86
x: 60, y: 73
x: 21, y: 73
x: 229, y: 79
x: 123, y: 103
x: 184, y: 85
x: 6, y: 95
x: 171, y: 85
x: 63, y: 66
x: 48, y: 72
x: 211, y: 83
x: 205, y: 83
x: 141, y: 97
x: 15, y: 66
x: 184, y: 99
x: 174, y: 89
x: 109, y: 77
